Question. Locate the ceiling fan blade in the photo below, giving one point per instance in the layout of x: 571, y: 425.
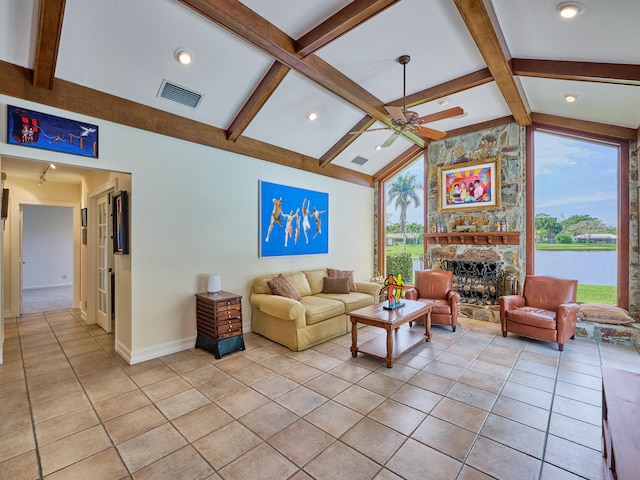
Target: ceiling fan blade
x: 433, y: 117
x: 396, y: 113
x: 391, y: 139
x: 369, y: 130
x: 429, y: 133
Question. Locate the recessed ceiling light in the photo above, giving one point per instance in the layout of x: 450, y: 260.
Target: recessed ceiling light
x: 571, y: 97
x: 183, y: 56
x: 462, y: 115
x: 443, y: 101
x: 52, y: 165
x: 570, y: 9
x: 378, y: 147
x: 311, y: 116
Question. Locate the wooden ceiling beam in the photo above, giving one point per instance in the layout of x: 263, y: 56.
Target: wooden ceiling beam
x: 354, y: 14
x: 602, y: 129
x: 257, y: 100
x: 397, y: 163
x: 251, y: 27
x: 16, y: 82
x: 483, y: 26
x: 445, y: 89
x: 48, y: 42
x: 616, y: 73
x: 346, y: 140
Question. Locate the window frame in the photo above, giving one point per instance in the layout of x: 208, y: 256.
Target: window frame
x: 380, y: 181
x: 623, y: 201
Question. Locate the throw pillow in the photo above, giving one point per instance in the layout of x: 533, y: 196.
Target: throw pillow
x: 593, y: 312
x: 344, y: 274
x: 336, y: 285
x: 281, y: 286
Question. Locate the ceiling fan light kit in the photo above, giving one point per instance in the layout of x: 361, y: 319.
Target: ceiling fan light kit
x: 409, y: 121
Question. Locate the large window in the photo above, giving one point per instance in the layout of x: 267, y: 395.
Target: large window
x: 404, y: 220
x: 576, y: 213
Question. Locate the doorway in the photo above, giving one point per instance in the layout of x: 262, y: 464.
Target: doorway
x: 38, y: 239
x: 47, y: 263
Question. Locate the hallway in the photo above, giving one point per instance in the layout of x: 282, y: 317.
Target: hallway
x: 468, y: 405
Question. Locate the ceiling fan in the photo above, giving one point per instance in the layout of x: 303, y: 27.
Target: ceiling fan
x: 407, y: 120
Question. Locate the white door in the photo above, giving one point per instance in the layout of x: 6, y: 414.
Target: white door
x: 103, y: 263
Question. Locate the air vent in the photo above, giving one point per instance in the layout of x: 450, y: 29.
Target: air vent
x: 360, y: 160
x: 179, y: 94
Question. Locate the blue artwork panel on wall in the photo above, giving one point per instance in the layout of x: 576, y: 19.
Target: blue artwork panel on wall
x: 293, y: 221
x: 41, y: 130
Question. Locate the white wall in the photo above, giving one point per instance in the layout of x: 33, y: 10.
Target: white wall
x: 194, y: 211
x: 47, y: 246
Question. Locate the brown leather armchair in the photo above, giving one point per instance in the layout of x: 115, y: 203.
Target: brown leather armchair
x: 546, y: 310
x: 437, y: 285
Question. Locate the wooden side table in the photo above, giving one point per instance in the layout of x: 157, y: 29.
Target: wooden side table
x: 620, y: 413
x: 219, y: 318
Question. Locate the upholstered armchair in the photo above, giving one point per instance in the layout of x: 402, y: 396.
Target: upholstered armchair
x: 437, y: 285
x: 546, y: 310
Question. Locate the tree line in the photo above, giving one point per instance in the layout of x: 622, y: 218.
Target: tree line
x: 549, y: 229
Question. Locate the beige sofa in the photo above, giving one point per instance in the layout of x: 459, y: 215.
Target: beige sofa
x: 315, y: 318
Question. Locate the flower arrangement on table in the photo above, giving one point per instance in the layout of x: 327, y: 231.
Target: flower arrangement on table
x: 394, y: 287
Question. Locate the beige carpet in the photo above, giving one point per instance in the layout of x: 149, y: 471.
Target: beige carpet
x: 37, y: 300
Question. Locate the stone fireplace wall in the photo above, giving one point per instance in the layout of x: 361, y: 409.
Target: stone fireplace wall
x: 508, y: 143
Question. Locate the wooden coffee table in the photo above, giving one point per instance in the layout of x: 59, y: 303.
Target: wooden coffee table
x: 397, y: 340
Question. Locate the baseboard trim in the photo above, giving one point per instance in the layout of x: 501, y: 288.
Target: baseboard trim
x: 54, y: 285
x: 156, y: 351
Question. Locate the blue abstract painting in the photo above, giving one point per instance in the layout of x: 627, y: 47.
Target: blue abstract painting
x: 41, y: 130
x: 293, y: 221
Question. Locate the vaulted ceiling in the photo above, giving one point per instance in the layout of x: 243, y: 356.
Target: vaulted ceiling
x: 262, y: 66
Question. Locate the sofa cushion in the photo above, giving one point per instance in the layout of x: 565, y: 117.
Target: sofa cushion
x: 592, y: 312
x: 316, y: 279
x: 335, y: 285
x: 281, y: 286
x: 318, y: 308
x: 344, y: 273
x: 260, y: 284
x: 536, y: 317
x: 441, y: 307
x: 299, y: 282
x: 352, y: 301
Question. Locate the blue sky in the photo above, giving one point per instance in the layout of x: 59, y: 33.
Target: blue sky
x: 573, y: 177
x: 414, y: 215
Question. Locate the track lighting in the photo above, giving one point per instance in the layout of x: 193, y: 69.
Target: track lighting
x: 43, y: 177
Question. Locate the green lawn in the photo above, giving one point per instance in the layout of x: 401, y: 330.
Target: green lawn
x: 597, y: 294
x: 414, y: 250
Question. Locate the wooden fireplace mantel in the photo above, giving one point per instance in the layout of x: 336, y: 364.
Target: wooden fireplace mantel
x: 473, y: 238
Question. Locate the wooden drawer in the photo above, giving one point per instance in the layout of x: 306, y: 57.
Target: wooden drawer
x: 229, y: 326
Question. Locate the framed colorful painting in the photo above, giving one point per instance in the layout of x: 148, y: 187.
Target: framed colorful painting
x: 41, y: 130
x: 293, y: 221
x: 469, y: 186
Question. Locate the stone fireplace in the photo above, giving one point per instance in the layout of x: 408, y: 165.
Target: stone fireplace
x: 478, y: 283
x: 480, y: 274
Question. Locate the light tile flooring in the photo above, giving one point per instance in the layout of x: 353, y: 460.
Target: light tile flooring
x: 468, y: 405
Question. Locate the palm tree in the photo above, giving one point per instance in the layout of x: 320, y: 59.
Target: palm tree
x: 401, y: 193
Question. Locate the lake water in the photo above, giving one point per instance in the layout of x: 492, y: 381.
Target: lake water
x: 591, y: 268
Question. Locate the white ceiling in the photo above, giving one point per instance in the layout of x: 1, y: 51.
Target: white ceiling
x: 126, y: 48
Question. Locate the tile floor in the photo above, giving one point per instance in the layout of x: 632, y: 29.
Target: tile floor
x: 469, y: 405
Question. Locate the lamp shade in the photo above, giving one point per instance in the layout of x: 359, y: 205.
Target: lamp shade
x: 215, y: 284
